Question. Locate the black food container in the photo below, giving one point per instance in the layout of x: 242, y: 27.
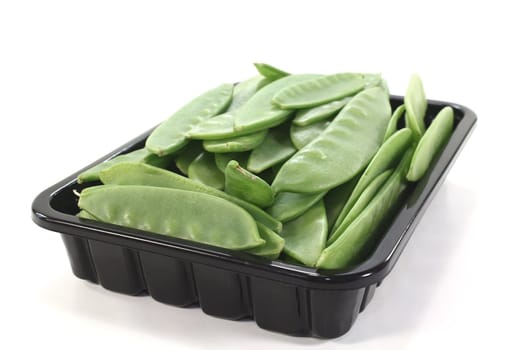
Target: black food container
x: 279, y: 296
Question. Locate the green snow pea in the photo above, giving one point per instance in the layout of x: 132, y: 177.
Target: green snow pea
x: 242, y: 184
x: 416, y: 106
x: 314, y: 92
x: 366, y: 196
x: 325, y: 111
x: 432, y: 141
x: 289, y: 205
x: 85, y: 215
x: 303, y: 135
x: 177, y: 213
x: 305, y: 237
x: 204, y: 170
x: 386, y: 157
x: 222, y: 159
x: 140, y: 156
x: 243, y: 91
x: 272, y: 248
x: 349, y: 247
x: 275, y: 149
x: 188, y: 155
x: 270, y: 72
x: 394, y: 120
x: 259, y: 112
x: 170, y: 135
x: 335, y: 200
x: 143, y: 174
x: 343, y: 149
x: 235, y: 144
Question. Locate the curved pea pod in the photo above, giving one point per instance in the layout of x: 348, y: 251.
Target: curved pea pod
x: 216, y: 128
x: 187, y: 155
x: 343, y: 149
x: 305, y: 237
x: 366, y: 196
x: 204, y: 170
x: 325, y: 111
x: 235, y: 144
x: 140, y: 156
x: 275, y: 149
x: 430, y: 144
x: 349, y: 248
x: 243, y: 91
x: 183, y: 214
x: 394, y: 121
x: 416, y: 106
x: 386, y: 157
x: 170, y: 135
x: 303, y: 135
x: 85, y: 215
x: 222, y: 159
x: 269, y: 71
x: 143, y: 174
x: 272, y: 248
x: 244, y: 185
x: 259, y: 112
x: 289, y: 205
x: 315, y: 92
x: 335, y: 200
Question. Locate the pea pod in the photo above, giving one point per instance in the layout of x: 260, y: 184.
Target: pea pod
x: 142, y: 174
x: 222, y: 159
x: 170, y: 135
x: 235, y: 144
x: 140, y: 156
x: 386, y: 157
x: 272, y: 248
x: 394, y: 121
x: 188, y: 154
x: 176, y: 213
x: 85, y: 215
x: 259, y: 112
x: 269, y: 71
x: 342, y: 150
x: 325, y: 111
x: 204, y: 170
x: 216, y: 128
x: 303, y: 135
x: 315, y: 92
x: 416, y: 106
x: 432, y: 141
x: 275, y: 149
x: 242, y: 184
x: 335, y: 200
x: 289, y: 205
x: 243, y: 91
x: 305, y: 237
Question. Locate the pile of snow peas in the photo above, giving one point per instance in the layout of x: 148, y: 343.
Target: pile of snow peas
x: 297, y: 167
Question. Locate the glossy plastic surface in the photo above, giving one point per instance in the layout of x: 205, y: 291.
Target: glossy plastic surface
x: 279, y: 296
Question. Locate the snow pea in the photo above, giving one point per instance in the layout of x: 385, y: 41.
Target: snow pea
x: 275, y: 149
x: 143, y: 174
x: 141, y: 156
x: 416, y: 106
x: 243, y: 91
x: 188, y: 155
x: 222, y: 159
x: 289, y: 205
x: 236, y: 144
x: 303, y: 135
x: 272, y: 248
x: 242, y: 184
x: 305, y: 237
x: 364, y: 198
x: 394, y: 120
x: 386, y: 157
x: 204, y: 170
x: 335, y: 200
x: 170, y: 135
x: 432, y: 141
x: 315, y: 92
x: 177, y: 213
x: 259, y: 112
x: 325, y: 111
x: 269, y: 71
x: 85, y: 215
x: 342, y: 150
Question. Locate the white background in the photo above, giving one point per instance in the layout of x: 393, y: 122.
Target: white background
x: 78, y: 79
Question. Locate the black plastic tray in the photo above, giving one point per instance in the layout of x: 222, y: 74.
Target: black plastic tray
x: 279, y: 296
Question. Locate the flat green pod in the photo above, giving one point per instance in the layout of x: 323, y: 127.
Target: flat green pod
x: 325, y: 111
x: 275, y: 149
x: 394, y: 121
x: 335, y: 200
x: 204, y: 170
x: 242, y: 184
x: 235, y: 144
x: 343, y: 149
x: 216, y: 128
x: 222, y: 159
x: 305, y: 236
x: 289, y: 205
x: 272, y: 248
x: 85, y: 215
x: 187, y: 155
x: 183, y: 214
x: 303, y: 135
x: 431, y: 143
x: 315, y: 92
x: 243, y: 91
x: 269, y: 71
x: 416, y: 106
x: 170, y: 135
x: 143, y: 174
